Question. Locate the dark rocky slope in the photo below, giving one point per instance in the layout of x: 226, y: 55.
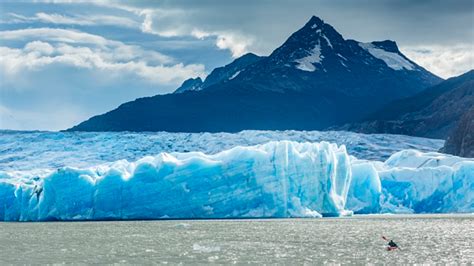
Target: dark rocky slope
x: 433, y: 113
x: 461, y: 141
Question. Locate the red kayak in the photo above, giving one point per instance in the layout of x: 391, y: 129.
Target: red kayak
x: 391, y: 248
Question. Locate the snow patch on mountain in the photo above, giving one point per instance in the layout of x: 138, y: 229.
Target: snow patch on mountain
x: 307, y: 63
x: 328, y: 41
x: 393, y: 60
x: 234, y: 75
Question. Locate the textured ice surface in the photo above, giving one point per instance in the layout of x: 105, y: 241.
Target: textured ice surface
x: 427, y: 182
x: 413, y: 182
x: 50, y: 150
x: 276, y: 179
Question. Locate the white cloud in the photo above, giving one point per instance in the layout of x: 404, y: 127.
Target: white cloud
x: 158, y: 21
x: 39, y: 47
x: 14, y: 61
x: 444, y: 61
x: 173, y: 23
x: 238, y: 45
x: 60, y: 19
x: 57, y: 35
x: 59, y: 77
x: 81, y: 20
x: 166, y: 23
x: 199, y: 34
x: 84, y: 50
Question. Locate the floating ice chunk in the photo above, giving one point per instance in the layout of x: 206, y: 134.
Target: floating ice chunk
x: 393, y: 60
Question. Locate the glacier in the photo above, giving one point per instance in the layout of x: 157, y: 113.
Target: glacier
x: 32, y: 150
x: 272, y: 180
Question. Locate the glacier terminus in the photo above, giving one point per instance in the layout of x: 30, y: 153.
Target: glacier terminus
x: 271, y: 180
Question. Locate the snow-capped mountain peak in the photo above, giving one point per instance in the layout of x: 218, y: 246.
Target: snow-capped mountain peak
x: 308, y: 48
x: 315, y: 79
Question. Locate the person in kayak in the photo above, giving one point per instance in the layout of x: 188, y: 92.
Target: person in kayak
x: 391, y: 245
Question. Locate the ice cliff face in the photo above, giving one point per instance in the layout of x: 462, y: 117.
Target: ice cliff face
x: 276, y: 179
x: 412, y: 182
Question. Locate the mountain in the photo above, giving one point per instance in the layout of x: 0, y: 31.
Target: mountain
x: 192, y: 84
x: 461, y: 140
x: 220, y: 74
x: 434, y: 112
x: 314, y: 80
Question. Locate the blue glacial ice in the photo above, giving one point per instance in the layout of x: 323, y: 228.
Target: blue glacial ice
x: 275, y: 179
x: 37, y: 149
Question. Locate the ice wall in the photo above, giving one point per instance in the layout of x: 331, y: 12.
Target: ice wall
x: 412, y: 182
x: 277, y: 179
x: 427, y: 183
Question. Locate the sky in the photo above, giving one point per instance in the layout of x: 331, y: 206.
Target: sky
x: 62, y: 62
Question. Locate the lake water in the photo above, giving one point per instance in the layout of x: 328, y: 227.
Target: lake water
x: 422, y: 238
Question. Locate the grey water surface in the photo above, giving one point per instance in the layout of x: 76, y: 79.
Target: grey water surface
x: 422, y: 238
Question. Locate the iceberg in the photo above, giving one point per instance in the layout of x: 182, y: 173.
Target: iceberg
x: 273, y: 180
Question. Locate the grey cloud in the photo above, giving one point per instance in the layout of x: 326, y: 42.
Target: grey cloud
x: 430, y: 23
x: 407, y: 22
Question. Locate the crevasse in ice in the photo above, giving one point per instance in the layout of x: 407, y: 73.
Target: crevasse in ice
x: 276, y: 179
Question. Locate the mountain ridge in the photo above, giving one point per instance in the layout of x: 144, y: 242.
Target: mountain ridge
x: 315, y: 79
x: 433, y: 113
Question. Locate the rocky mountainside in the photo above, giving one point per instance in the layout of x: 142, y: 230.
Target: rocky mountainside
x: 461, y: 141
x: 314, y: 80
x: 434, y: 112
x: 220, y: 74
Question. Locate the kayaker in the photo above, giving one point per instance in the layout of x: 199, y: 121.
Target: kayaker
x: 391, y: 244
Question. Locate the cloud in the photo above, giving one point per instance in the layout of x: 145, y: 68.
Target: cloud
x: 82, y: 20
x: 84, y: 50
x: 37, y: 55
x: 162, y: 22
x: 271, y: 22
x: 238, y: 45
x: 39, y: 47
x: 57, y: 35
x: 173, y: 23
x: 60, y: 77
x: 51, y: 84
x: 444, y: 61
